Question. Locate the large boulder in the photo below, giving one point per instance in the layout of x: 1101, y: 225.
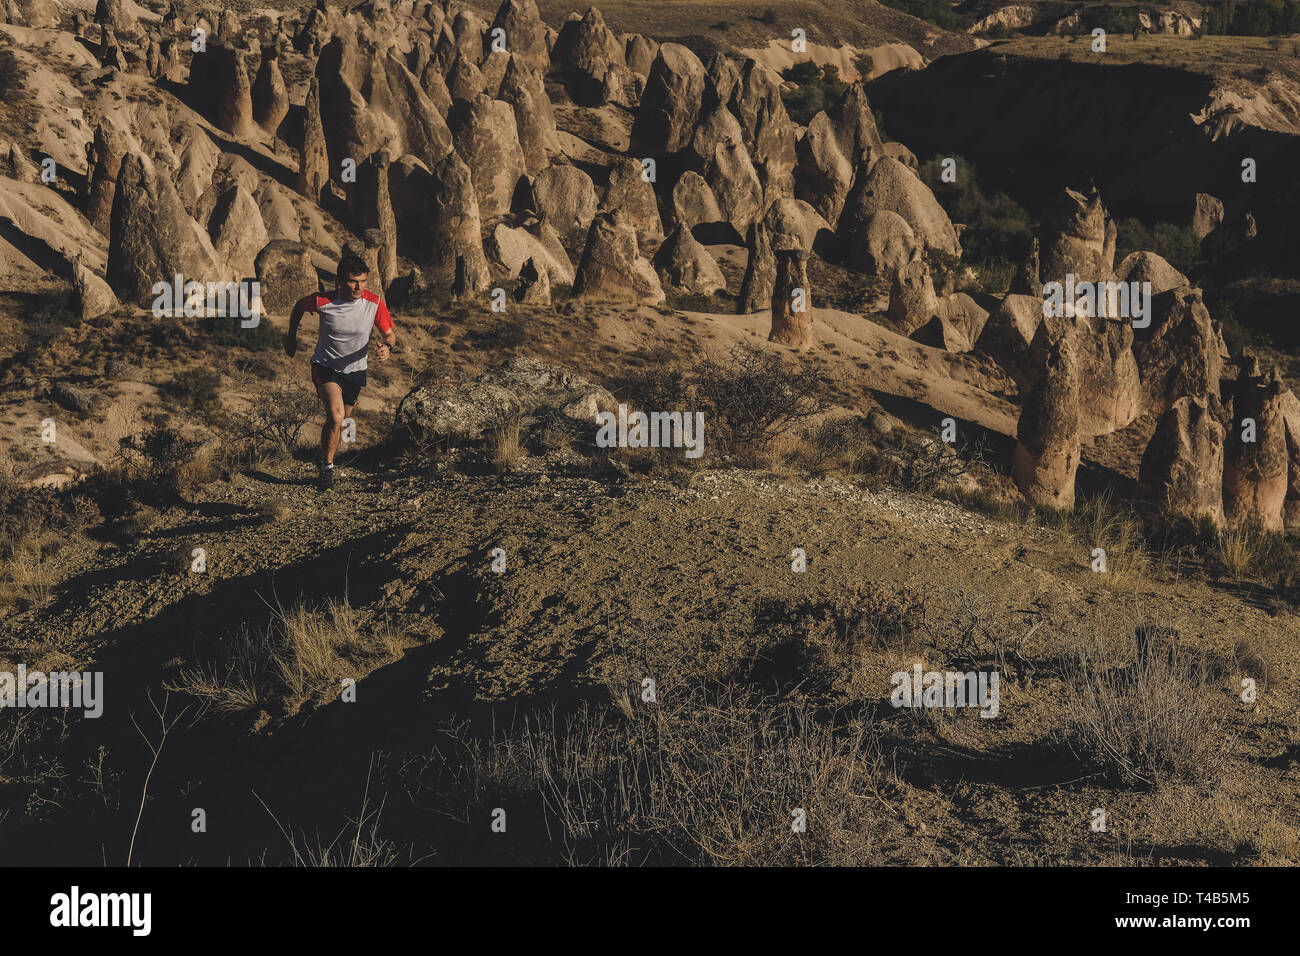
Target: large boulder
x: 767, y: 128
x: 693, y: 202
x: 1182, y: 468
x: 1181, y: 352
x: 823, y: 174
x: 91, y: 295
x: 735, y: 185
x: 760, y: 272
x: 534, y: 118
x: 522, y: 386
x: 639, y: 52
x: 452, y: 214
x: 670, y: 105
x: 152, y: 237
x: 1007, y: 334
x: 465, y: 80
x: 1110, y: 384
x: 585, y: 52
x: 792, y: 224
x: 109, y: 147
x: 612, y: 267
x: 237, y: 231
x: 525, y: 33
x: 512, y: 247
x: 422, y: 132
x: 1148, y: 267
x: 487, y: 139
x: 1046, y: 457
x: 855, y: 127
x: 1207, y: 214
x: 533, y: 286
x: 354, y: 129
x: 686, y: 268
x: 912, y: 299
x: 220, y: 82
x: 565, y: 199
x: 313, y: 156
x: 270, y: 95
x: 630, y: 190
x: 716, y: 127
x: 883, y: 246
x: 889, y: 185
x: 284, y: 275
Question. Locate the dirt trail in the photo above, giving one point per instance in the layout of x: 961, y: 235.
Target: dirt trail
x: 683, y: 568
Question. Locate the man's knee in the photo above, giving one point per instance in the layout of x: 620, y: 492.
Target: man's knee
x: 334, y: 420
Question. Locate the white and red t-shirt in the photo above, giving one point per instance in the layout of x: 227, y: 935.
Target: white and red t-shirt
x: 345, y: 325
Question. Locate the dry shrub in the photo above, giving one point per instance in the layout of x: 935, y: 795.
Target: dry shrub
x: 34, y: 524
x: 273, y: 424
x: 1252, y: 551
x: 826, y: 646
x: 1101, y: 522
x: 275, y: 509
x: 504, y: 447
x: 754, y: 396
x: 839, y: 445
x: 1148, y: 719
x: 707, y: 775
x: 161, y: 462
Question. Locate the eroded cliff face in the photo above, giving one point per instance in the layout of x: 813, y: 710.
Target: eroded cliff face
x: 1149, y: 136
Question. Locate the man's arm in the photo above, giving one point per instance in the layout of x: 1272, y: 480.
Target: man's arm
x: 384, y: 323
x: 306, y: 304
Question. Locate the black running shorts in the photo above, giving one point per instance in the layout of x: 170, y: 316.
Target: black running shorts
x: 351, y: 382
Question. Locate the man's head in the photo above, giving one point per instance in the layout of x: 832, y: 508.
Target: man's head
x: 352, y: 276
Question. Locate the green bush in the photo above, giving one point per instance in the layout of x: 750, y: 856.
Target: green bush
x: 1176, y: 244
x: 999, y: 231
x: 819, y: 88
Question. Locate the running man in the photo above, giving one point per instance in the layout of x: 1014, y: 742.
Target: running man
x: 338, y: 366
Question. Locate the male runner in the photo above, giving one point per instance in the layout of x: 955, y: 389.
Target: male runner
x: 338, y: 366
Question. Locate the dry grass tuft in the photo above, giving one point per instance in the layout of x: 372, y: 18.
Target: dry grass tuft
x: 1149, y: 717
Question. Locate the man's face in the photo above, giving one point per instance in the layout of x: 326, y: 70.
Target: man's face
x: 353, y: 286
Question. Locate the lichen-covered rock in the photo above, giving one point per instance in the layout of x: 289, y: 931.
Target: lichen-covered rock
x: 523, y: 386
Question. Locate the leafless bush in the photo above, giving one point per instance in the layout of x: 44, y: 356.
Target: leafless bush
x: 1150, y: 718
x: 274, y: 423
x: 504, y: 448
x: 755, y: 396
x: 844, y: 443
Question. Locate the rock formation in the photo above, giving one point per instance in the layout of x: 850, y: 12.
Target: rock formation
x: 612, y: 267
x: 792, y: 321
x: 1255, y: 461
x: 1182, y: 468
x: 685, y: 267
x: 1046, y: 457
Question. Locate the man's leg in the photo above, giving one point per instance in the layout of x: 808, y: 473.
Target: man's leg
x: 331, y: 396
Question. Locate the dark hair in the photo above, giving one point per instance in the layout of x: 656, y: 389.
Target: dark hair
x: 352, y: 266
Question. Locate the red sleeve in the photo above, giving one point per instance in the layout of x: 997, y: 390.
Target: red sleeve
x: 383, y: 320
x: 312, y: 301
